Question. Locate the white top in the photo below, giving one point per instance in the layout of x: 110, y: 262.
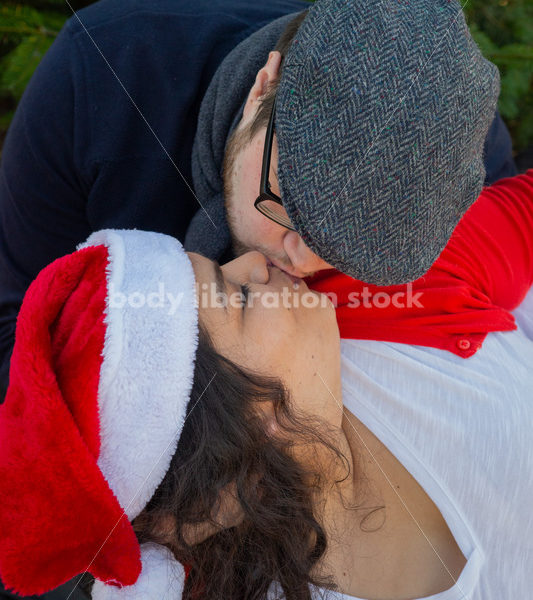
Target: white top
x: 463, y: 428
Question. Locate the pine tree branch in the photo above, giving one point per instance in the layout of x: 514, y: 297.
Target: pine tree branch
x: 24, y: 30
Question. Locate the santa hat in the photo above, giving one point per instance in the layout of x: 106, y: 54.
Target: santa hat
x: 100, y: 378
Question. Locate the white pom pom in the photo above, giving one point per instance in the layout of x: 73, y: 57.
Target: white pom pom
x: 162, y: 578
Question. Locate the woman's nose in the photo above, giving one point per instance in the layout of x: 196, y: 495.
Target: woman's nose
x: 248, y: 268
x: 303, y: 259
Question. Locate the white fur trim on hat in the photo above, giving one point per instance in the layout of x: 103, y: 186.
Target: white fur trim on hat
x: 148, y: 360
x: 162, y: 578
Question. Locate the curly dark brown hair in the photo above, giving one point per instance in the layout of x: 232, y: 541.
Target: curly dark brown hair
x: 225, y: 440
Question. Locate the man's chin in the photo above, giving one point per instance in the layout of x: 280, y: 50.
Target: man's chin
x: 238, y: 247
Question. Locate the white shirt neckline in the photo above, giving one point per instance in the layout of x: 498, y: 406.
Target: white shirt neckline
x: 464, y: 537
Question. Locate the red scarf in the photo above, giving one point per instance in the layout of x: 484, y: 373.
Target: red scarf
x: 483, y: 273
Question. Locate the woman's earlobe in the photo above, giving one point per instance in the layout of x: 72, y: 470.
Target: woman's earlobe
x: 273, y: 428
x: 228, y: 512
x: 166, y: 529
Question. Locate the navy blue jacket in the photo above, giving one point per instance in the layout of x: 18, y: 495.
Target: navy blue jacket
x: 79, y: 155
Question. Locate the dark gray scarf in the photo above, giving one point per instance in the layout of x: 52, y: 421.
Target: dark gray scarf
x: 220, y: 112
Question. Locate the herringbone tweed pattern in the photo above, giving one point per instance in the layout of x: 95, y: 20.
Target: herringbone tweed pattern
x: 382, y: 111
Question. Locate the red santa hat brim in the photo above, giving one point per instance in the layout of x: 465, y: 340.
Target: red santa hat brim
x: 100, y: 379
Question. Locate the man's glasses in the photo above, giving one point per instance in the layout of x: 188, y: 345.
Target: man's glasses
x: 267, y: 202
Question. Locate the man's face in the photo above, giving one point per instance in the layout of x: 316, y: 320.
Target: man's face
x: 251, y: 230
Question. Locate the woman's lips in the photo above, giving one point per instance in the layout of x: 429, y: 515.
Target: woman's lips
x: 292, y: 277
x: 295, y: 281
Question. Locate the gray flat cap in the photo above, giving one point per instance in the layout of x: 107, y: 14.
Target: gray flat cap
x: 382, y: 111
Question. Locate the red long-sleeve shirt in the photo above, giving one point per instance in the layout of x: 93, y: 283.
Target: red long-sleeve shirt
x: 482, y: 274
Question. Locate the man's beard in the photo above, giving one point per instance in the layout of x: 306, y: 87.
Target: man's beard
x: 235, y: 144
x: 239, y: 139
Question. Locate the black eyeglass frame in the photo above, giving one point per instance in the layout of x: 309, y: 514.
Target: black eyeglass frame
x: 265, y: 193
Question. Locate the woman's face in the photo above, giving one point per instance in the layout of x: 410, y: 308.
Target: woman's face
x: 281, y: 329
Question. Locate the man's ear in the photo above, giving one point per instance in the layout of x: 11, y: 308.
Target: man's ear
x: 267, y: 74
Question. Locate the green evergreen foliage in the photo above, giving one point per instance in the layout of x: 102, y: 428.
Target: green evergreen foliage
x: 30, y: 32
x: 502, y: 28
